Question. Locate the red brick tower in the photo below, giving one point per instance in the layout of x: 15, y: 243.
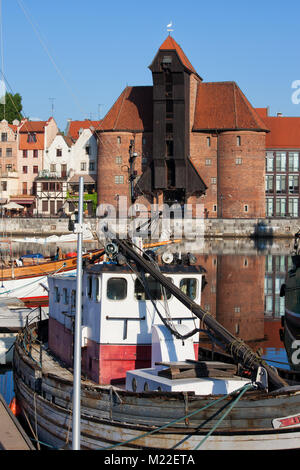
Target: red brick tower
x: 195, y: 142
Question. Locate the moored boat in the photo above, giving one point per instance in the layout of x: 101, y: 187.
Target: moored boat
x: 146, y: 382
x: 291, y: 288
x: 28, y: 282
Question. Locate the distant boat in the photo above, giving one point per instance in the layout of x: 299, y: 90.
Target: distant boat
x: 29, y: 282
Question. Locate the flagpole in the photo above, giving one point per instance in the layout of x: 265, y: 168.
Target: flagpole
x: 77, y: 338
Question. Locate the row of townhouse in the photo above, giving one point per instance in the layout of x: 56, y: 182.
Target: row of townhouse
x: 40, y: 166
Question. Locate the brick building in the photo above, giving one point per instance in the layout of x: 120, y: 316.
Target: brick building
x: 282, y: 165
x: 193, y: 141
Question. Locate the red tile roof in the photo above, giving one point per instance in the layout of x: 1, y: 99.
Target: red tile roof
x: 284, y: 131
x: 169, y: 45
x: 33, y: 126
x: 222, y: 105
x: 13, y: 127
x: 75, y: 126
x: 133, y: 110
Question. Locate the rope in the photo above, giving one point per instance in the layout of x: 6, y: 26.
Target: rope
x: 241, y: 391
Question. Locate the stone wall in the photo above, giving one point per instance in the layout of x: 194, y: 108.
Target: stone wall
x: 220, y: 228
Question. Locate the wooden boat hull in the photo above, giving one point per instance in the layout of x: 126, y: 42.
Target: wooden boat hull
x: 24, y: 282
x: 111, y: 416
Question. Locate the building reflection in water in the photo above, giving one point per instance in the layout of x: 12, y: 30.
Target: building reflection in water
x: 243, y: 292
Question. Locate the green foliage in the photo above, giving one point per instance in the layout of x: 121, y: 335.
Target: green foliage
x: 12, y: 108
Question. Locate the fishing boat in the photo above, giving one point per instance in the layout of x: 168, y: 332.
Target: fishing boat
x: 28, y: 281
x: 290, y: 289
x: 147, y: 383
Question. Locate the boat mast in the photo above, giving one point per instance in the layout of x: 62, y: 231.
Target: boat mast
x: 77, y: 339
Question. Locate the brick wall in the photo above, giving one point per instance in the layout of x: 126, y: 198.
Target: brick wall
x: 241, y: 174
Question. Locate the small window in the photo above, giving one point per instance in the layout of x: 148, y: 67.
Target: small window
x: 31, y: 137
x: 52, y: 168
x: 238, y: 161
x: 73, y: 298
x: 35, y: 153
x: 208, y: 141
x: 4, y: 137
x: 87, y: 150
x: 154, y: 290
x: 116, y: 288
x: 91, y: 166
x: 90, y: 287
x: 97, y: 289
x: 189, y: 287
x: 9, y: 152
x: 56, y: 294
x: 25, y: 169
x: 25, y: 154
x: 35, y: 169
x: 119, y: 179
x: 215, y: 207
x: 246, y: 208
x: 118, y: 160
x: 213, y: 180
x: 58, y: 152
x: 119, y: 139
x: 207, y: 161
x: 65, y: 296
x: 238, y: 141
x: 83, y: 166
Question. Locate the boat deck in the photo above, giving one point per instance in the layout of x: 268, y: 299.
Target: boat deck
x: 12, y: 435
x: 52, y: 366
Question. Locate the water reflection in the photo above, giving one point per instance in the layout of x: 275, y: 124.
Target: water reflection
x: 243, y: 287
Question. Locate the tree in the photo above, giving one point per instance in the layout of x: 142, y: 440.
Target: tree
x: 12, y: 108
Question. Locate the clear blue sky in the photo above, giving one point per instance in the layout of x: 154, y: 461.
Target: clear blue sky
x: 98, y: 47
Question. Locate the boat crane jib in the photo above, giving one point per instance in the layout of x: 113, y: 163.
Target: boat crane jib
x: 120, y: 307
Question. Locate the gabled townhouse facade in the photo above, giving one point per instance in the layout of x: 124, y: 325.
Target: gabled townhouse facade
x: 33, y: 138
x: 8, y: 160
x: 68, y: 157
x: 51, y: 182
x: 84, y: 162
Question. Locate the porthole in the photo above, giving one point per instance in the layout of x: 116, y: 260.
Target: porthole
x: 133, y: 384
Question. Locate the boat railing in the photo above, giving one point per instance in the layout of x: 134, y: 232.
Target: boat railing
x: 30, y: 336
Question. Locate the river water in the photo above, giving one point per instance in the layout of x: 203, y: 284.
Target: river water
x: 242, y: 292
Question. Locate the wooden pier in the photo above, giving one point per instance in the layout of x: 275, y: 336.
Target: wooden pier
x: 12, y: 435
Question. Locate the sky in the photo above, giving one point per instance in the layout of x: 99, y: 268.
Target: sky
x: 75, y: 57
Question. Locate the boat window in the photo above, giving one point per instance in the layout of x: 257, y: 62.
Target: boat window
x: 90, y: 286
x: 73, y: 298
x: 65, y: 295
x: 116, y: 288
x: 97, y: 290
x: 154, y: 290
x: 57, y: 294
x: 189, y: 287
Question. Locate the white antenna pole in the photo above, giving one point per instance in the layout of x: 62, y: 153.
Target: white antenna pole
x: 77, y: 339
